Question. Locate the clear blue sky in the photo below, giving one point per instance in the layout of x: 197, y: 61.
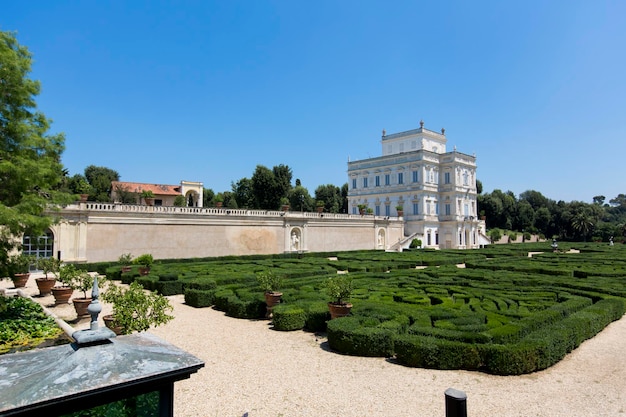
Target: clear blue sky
x: 206, y: 90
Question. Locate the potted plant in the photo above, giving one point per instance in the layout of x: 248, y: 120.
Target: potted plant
x: 145, y: 262
x: 400, y: 210
x: 219, y: 200
x: 49, y: 265
x: 125, y: 260
x: 148, y: 197
x: 62, y: 293
x: 339, y: 288
x: 319, y: 205
x: 81, y: 281
x: 270, y: 283
x: 284, y: 203
x: 134, y: 309
x: 83, y: 188
x: 362, y: 208
x: 19, y: 269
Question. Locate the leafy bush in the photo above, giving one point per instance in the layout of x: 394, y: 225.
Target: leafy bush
x: 288, y: 317
x: 199, y: 298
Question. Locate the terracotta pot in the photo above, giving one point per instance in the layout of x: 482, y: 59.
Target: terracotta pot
x: 320, y: 209
x: 61, y: 295
x: 400, y: 213
x: 45, y: 285
x: 272, y: 299
x: 149, y: 201
x: 20, y: 280
x: 144, y: 270
x: 339, y: 310
x: 219, y: 204
x: 125, y: 269
x: 83, y: 198
x: 80, y: 305
x: 109, y: 322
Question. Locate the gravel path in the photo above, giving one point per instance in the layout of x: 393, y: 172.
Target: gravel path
x: 251, y: 370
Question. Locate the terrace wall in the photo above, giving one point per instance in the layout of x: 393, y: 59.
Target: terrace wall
x: 97, y: 232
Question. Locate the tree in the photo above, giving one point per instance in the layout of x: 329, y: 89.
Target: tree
x: 344, y: 197
x: 243, y: 193
x: 331, y: 196
x: 100, y: 179
x: 31, y: 172
x: 599, y: 200
x: 582, y: 224
x: 207, y: 197
x: 300, y: 199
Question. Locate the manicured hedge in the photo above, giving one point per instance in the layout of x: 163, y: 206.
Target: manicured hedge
x: 288, y: 317
x: 348, y: 335
x: 199, y: 298
x: 504, y: 313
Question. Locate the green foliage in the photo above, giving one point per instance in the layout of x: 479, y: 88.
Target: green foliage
x: 100, y: 180
x: 75, y: 278
x: 269, y: 281
x: 288, y: 317
x: 31, y: 172
x: 179, y: 201
x: 199, y: 298
x: 136, y: 310
x: 339, y: 288
x: 125, y: 259
x: 502, y: 305
x: 146, y: 260
x: 23, y: 324
x: 495, y: 234
x: 49, y: 265
x: 147, y: 194
x: 19, y: 264
x: 355, y: 336
x: 415, y: 243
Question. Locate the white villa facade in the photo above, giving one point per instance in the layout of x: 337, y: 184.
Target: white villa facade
x: 433, y: 189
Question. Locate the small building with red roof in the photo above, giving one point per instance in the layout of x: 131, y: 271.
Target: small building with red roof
x: 163, y: 194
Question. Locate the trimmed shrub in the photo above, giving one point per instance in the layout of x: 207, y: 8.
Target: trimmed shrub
x: 347, y: 335
x: 288, y: 317
x: 129, y: 277
x: 168, y: 276
x: 245, y: 309
x: 316, y: 317
x: 169, y: 287
x: 199, y: 298
x: 430, y: 352
x: 221, y: 299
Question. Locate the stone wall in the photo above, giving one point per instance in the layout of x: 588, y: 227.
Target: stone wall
x: 95, y: 232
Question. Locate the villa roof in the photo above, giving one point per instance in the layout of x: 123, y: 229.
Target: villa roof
x: 138, y: 187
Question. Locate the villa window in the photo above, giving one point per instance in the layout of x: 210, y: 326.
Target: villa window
x: 377, y: 210
x: 416, y: 208
x: 400, y: 178
x: 446, y: 178
x: 365, y: 182
x: 377, y: 180
x: 39, y: 246
x: 386, y: 179
x: 387, y: 211
x: 415, y: 176
x: 353, y: 183
x: 447, y: 209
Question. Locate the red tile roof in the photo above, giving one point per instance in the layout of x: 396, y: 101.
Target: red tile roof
x: 138, y: 187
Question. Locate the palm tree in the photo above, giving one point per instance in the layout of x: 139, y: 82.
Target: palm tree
x: 582, y: 224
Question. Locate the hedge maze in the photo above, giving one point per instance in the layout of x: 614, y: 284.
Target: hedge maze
x: 494, y: 310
